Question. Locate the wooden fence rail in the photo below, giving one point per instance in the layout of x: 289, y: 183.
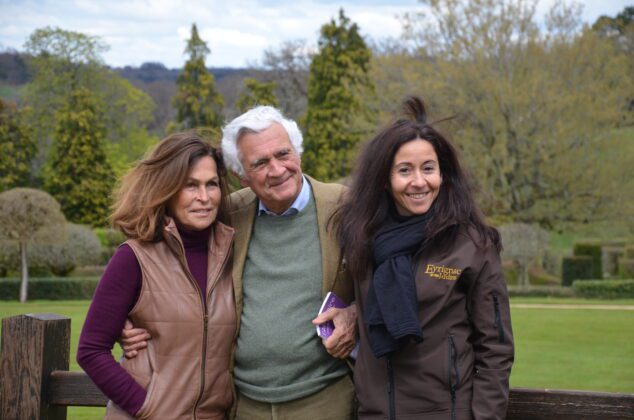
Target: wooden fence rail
x: 35, y: 382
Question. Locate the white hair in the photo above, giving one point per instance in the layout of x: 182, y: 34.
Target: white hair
x: 255, y: 120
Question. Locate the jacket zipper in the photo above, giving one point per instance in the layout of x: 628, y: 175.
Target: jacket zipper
x: 205, y: 318
x: 498, y: 318
x: 453, y: 365
x: 390, y: 388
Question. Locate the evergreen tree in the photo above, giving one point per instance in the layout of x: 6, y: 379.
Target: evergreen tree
x: 256, y: 93
x: 197, y: 102
x: 79, y: 175
x: 17, y: 147
x: 338, y: 76
x: 62, y: 61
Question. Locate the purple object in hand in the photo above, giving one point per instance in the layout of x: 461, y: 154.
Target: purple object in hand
x: 330, y: 301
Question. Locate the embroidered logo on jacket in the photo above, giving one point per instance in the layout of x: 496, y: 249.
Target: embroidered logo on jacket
x: 443, y: 273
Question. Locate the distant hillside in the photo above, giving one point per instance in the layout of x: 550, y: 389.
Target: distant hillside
x: 155, y: 79
x: 14, y: 71
x: 152, y: 72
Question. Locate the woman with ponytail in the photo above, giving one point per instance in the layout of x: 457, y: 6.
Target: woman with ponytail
x: 433, y: 311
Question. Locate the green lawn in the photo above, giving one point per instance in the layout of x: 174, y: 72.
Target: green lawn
x: 588, y: 349
x: 555, y: 348
x: 571, y: 301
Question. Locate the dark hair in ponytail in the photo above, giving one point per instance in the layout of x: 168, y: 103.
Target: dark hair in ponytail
x: 366, y: 204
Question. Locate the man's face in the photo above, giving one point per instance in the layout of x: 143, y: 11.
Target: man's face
x: 272, y: 167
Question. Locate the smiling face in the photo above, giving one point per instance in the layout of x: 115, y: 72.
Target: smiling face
x: 195, y: 205
x: 272, y: 167
x: 415, y: 178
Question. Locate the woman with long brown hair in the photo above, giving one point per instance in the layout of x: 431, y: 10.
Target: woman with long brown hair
x: 172, y: 277
x: 433, y: 313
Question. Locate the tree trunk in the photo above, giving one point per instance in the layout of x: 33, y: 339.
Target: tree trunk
x: 25, y: 273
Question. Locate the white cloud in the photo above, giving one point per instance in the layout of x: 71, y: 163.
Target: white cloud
x: 236, y: 31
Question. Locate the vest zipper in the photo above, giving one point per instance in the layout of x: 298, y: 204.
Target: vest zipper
x: 498, y: 318
x: 205, y: 315
x: 390, y: 388
x: 453, y: 365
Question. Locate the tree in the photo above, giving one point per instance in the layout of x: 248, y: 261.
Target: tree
x: 80, y: 248
x: 16, y: 147
x: 338, y: 75
x: 534, y: 104
x: 64, y: 61
x: 256, y: 93
x: 620, y: 29
x: 27, y: 216
x: 288, y: 67
x: 79, y: 175
x: 197, y: 102
x: 522, y: 244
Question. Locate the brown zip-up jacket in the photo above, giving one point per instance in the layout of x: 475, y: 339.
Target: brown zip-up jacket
x: 186, y: 366
x: 461, y: 369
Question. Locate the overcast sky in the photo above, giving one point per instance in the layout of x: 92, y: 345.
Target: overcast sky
x: 237, y: 31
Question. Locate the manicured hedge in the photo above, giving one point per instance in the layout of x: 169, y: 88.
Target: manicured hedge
x: 604, y: 289
x: 576, y: 268
x: 612, y: 254
x: 592, y: 250
x: 52, y: 288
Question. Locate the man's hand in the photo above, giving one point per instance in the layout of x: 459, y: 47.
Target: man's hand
x: 343, y: 338
x: 133, y: 339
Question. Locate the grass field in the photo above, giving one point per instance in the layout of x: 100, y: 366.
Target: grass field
x: 585, y: 349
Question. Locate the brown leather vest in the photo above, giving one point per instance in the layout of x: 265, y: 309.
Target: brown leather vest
x: 186, y: 366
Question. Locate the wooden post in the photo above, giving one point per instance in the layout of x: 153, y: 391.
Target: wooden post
x: 33, y: 345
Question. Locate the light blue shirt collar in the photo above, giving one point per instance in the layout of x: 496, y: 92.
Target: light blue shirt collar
x: 298, y: 205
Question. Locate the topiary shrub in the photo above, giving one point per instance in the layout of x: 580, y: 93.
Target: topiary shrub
x: 81, y: 247
x: 29, y: 216
x: 611, y: 256
x: 575, y: 268
x: 50, y: 288
x: 9, y: 258
x: 604, y: 289
x: 593, y: 250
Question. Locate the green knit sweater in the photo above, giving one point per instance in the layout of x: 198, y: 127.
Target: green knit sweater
x: 279, y: 356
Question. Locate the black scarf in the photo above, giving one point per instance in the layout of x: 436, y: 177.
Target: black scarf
x: 391, y: 310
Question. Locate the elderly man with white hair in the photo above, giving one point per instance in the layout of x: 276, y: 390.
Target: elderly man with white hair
x: 285, y: 261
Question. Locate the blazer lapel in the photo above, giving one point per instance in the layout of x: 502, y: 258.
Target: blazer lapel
x: 242, y: 220
x: 329, y: 250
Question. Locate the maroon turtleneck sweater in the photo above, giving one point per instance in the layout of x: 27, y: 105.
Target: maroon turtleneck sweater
x: 114, y: 298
